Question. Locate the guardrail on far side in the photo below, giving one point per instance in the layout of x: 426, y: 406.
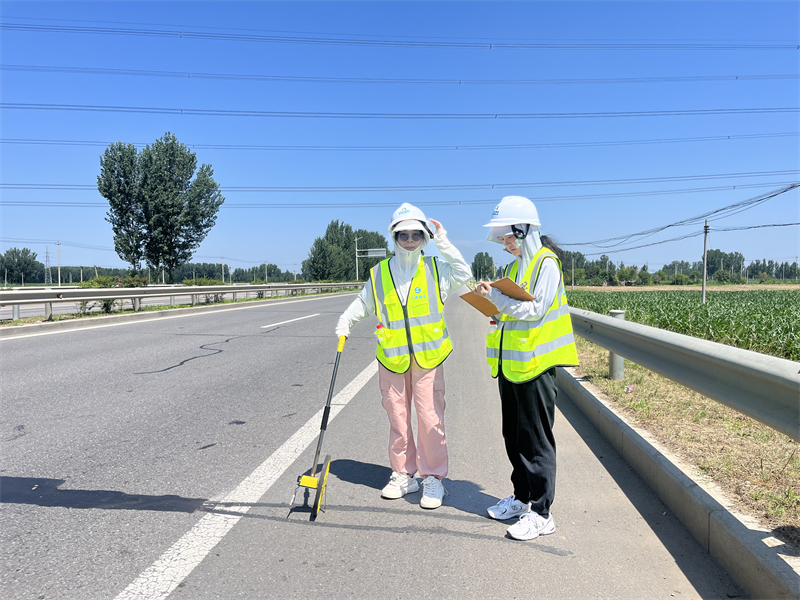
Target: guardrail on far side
x: 48, y: 296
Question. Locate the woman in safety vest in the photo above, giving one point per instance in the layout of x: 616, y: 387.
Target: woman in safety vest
x: 525, y: 344
x: 407, y: 292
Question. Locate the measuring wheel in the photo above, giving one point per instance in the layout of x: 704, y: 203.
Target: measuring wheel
x: 323, y: 482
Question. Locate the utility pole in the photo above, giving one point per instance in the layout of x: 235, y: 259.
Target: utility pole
x: 59, y: 263
x: 705, y: 258
x: 48, y: 276
x: 573, y: 271
x: 358, y: 238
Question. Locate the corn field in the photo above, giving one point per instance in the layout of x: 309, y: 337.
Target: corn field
x: 765, y: 321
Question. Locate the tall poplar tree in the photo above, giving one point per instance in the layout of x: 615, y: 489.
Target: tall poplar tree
x: 158, y: 209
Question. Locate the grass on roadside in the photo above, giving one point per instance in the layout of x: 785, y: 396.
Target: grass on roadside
x: 757, y: 467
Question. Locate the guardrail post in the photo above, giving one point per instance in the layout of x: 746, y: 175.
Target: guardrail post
x: 172, y: 300
x: 137, y: 304
x: 616, y: 363
x: 15, y: 312
x: 48, y: 311
x: 194, y: 299
x: 247, y: 295
x: 234, y: 296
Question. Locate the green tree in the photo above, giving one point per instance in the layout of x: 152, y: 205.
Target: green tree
x: 483, y: 266
x: 333, y: 256
x: 119, y: 183
x: 159, y: 210
x: 178, y: 212
x: 22, y: 266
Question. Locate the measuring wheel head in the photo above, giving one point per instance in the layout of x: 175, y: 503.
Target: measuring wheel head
x: 321, y: 485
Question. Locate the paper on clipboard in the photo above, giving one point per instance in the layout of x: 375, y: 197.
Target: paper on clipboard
x: 505, y: 285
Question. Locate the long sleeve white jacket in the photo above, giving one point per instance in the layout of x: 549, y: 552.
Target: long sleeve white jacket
x: 452, y: 275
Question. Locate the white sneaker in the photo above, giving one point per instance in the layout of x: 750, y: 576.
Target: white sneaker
x: 399, y: 485
x: 530, y: 526
x: 508, y: 508
x: 432, y: 492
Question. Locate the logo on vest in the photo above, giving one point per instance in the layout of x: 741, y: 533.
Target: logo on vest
x: 524, y: 285
x: 418, y: 294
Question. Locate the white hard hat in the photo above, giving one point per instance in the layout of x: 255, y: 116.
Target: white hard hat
x: 512, y: 210
x: 409, y: 212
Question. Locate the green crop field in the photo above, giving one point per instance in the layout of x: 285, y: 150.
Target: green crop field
x: 765, y: 321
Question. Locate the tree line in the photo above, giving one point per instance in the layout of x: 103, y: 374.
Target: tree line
x: 722, y: 267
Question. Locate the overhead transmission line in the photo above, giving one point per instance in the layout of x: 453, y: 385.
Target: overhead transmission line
x: 394, y: 43
x: 694, y: 234
x: 725, y: 211
x: 753, y: 227
x: 259, y: 147
x: 210, y: 112
x: 377, y: 80
x: 419, y: 188
x: 306, y: 205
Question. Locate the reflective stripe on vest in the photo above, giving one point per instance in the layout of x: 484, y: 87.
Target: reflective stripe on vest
x: 419, y: 323
x: 529, y: 348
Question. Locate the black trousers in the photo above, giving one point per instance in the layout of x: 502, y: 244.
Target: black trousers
x: 528, y: 411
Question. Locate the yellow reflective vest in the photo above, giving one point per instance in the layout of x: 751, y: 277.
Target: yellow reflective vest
x: 415, y: 328
x: 526, y: 349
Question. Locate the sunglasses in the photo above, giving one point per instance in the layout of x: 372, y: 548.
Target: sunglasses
x: 403, y: 237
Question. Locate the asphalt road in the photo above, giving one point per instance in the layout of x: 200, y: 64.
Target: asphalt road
x: 157, y: 459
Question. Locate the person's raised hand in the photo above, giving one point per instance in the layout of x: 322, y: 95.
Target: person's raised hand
x: 437, y: 223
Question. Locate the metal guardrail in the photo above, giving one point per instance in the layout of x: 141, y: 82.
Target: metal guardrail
x: 765, y: 388
x: 48, y: 296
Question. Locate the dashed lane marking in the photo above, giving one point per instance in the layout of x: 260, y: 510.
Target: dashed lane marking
x: 291, y: 321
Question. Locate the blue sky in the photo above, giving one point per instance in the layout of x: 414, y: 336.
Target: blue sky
x: 706, y: 45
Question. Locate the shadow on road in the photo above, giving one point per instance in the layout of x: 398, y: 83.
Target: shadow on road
x: 465, y: 496
x: 46, y: 492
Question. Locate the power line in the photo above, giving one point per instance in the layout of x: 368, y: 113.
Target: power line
x: 391, y: 116
x: 184, y: 27
x: 361, y: 205
x: 385, y: 42
x: 376, y: 80
x: 691, y: 235
x: 71, y: 244
x: 419, y: 188
x: 723, y: 212
x: 753, y: 227
x: 256, y: 147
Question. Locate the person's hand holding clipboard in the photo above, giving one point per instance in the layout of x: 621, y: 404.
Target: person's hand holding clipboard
x: 477, y: 297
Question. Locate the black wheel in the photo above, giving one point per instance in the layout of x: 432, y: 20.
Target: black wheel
x: 323, y: 482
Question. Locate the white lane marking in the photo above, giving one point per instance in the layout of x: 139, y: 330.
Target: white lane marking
x: 290, y: 321
x: 135, y: 321
x: 175, y: 565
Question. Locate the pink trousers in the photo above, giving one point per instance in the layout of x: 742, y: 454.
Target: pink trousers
x: 429, y: 454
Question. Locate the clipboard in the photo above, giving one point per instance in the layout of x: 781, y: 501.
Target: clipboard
x: 505, y: 285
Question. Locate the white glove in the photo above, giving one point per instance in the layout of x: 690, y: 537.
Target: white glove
x: 342, y: 329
